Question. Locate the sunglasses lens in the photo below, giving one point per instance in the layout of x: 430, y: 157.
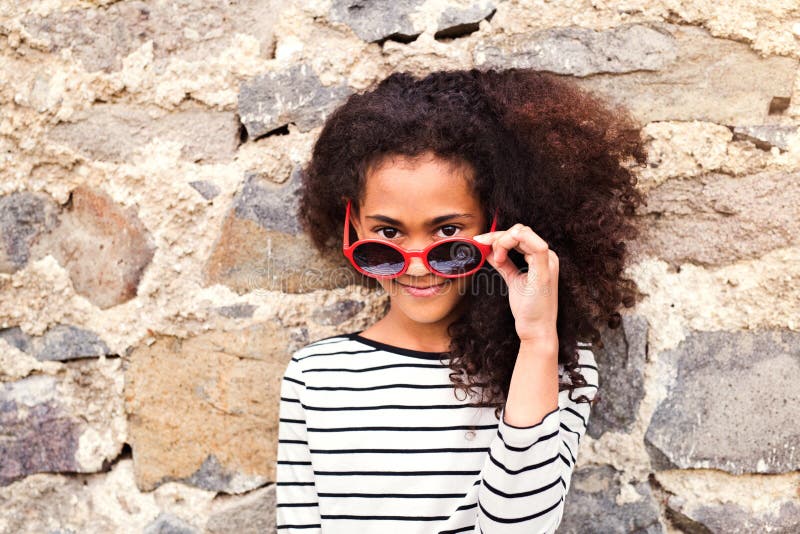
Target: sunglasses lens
x: 377, y: 259
x: 456, y: 257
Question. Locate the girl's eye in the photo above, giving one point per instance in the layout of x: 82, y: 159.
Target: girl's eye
x: 449, y: 230
x: 390, y: 233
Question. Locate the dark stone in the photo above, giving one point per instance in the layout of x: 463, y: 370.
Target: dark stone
x: 657, y: 72
x: 236, y: 311
x: 721, y: 377
x: 703, y: 518
x: 375, y: 21
x: 39, y: 437
x: 296, y: 95
x: 252, y: 513
x: 58, y: 343
x: 590, y: 505
x: 337, y: 312
x: 23, y: 217
x: 272, y: 206
x: 169, y: 523
x: 116, y: 132
x: 207, y: 189
x: 456, y: 21
x: 583, y: 51
x: 621, y: 365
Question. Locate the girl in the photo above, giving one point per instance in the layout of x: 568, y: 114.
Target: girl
x: 491, y: 206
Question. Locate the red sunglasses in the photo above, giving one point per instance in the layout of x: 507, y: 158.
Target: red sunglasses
x: 451, y: 257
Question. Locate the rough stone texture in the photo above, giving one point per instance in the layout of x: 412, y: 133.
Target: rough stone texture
x: 203, y: 410
x: 237, y: 310
x: 730, y: 517
x: 455, y: 21
x: 101, y: 38
x: 23, y: 217
x: 294, y: 95
x: 718, y: 219
x: 378, y: 21
x: 338, y: 312
x: 766, y: 136
x: 591, y: 505
x: 621, y: 363
x: 104, y: 246
x: 260, y: 247
x: 207, y: 189
x: 97, y: 503
x: 167, y: 523
x: 584, y: 51
x: 729, y: 404
x: 70, y: 423
x: 658, y: 71
x: 59, y: 343
x: 253, y: 513
x: 116, y: 132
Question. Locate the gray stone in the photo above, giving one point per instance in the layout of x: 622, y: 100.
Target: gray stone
x: 376, y: 21
x: 37, y: 434
x: 115, y: 132
x: 590, y: 505
x: 717, y: 219
x: 236, y: 311
x: 721, y: 377
x: 251, y: 513
x: 656, y: 71
x: 338, y: 312
x: 273, y: 207
x: 621, y: 365
x: 58, y: 343
x: 694, y: 517
x: 456, y: 21
x: 101, y: 37
x: 207, y: 189
x: 169, y: 523
x: 766, y: 136
x: 583, y: 51
x: 23, y: 217
x: 296, y: 95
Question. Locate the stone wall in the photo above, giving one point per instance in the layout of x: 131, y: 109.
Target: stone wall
x: 151, y: 280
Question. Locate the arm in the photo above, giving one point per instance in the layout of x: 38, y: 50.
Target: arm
x: 529, y: 468
x: 297, y: 505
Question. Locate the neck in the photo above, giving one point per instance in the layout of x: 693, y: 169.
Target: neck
x: 398, y: 329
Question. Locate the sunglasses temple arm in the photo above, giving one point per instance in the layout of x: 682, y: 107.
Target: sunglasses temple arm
x: 346, y: 237
x: 494, y: 221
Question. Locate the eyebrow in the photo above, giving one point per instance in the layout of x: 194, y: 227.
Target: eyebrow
x: 431, y: 222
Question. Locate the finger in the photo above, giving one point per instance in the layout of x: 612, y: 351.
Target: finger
x: 536, y: 248
x: 523, y: 239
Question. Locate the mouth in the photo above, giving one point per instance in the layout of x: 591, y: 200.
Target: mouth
x: 423, y: 291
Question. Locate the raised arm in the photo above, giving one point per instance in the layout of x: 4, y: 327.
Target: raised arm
x: 297, y: 505
x: 528, y: 470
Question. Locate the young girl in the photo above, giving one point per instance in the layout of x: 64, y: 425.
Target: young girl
x: 492, y: 207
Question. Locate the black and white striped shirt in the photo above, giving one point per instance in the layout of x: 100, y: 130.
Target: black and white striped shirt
x: 373, y: 439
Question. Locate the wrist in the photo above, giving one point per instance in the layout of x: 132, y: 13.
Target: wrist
x: 541, y: 346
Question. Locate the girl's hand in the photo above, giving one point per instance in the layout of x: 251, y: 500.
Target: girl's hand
x: 533, y: 295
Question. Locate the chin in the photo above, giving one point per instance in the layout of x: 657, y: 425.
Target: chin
x: 424, y: 309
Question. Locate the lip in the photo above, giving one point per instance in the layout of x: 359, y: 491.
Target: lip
x: 427, y: 291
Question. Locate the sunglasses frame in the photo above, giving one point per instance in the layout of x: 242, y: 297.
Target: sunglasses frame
x: 349, y: 249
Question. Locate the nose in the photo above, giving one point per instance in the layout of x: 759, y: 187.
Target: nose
x: 416, y: 267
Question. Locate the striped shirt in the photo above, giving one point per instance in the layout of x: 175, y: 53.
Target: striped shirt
x: 373, y: 439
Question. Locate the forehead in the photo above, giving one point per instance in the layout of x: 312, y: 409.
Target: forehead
x: 403, y: 187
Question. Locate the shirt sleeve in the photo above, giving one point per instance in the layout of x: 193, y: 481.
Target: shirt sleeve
x: 527, y: 474
x: 297, y: 504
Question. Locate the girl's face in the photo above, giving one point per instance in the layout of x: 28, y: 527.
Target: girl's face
x: 413, y: 203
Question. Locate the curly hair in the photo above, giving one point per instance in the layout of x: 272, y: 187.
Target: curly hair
x: 548, y: 154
